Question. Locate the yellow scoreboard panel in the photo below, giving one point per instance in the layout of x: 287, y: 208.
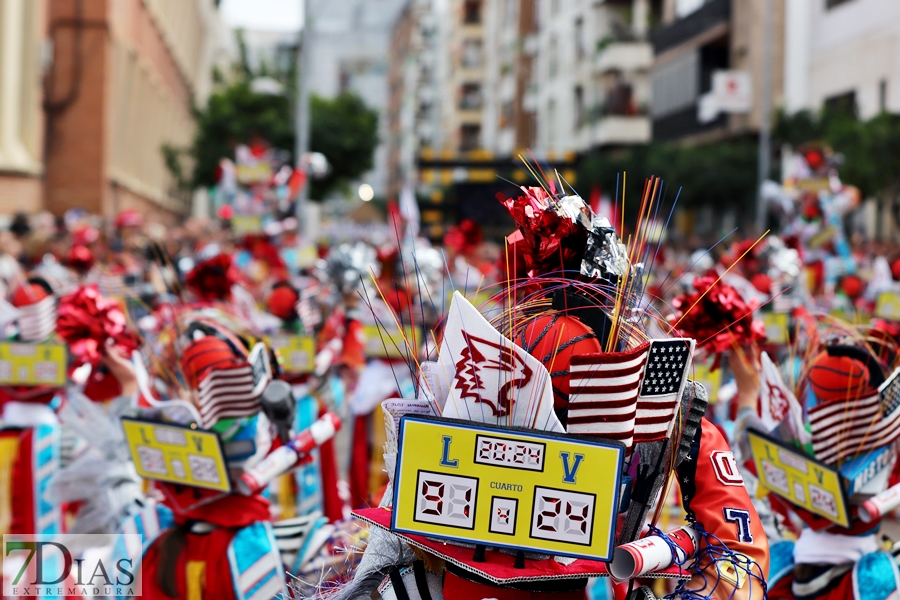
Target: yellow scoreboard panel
x: 522, y: 489
x: 177, y: 454
x: 297, y: 352
x: 389, y: 342
x: 32, y: 364
x: 799, y: 479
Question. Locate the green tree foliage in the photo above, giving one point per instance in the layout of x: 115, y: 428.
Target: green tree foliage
x: 234, y: 115
x: 715, y: 173
x: 346, y: 132
x: 344, y: 129
x: 870, y: 148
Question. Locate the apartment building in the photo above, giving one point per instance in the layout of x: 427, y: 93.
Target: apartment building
x: 91, y: 91
x: 842, y: 54
x: 709, y: 61
x: 591, y: 87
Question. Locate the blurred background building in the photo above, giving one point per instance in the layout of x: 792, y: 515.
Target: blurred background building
x: 90, y: 92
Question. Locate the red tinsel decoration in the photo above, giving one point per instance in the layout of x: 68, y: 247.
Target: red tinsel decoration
x: 549, y: 242
x: 464, y: 238
x: 88, y: 323
x: 721, y: 320
x: 213, y: 278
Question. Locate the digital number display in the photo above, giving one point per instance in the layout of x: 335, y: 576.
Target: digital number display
x: 446, y: 499
x: 506, y: 487
x: 500, y: 452
x: 563, y: 515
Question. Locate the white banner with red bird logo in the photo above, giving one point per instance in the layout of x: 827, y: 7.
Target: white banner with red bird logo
x: 490, y: 378
x: 777, y: 402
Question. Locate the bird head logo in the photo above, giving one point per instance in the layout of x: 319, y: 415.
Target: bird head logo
x: 491, y: 373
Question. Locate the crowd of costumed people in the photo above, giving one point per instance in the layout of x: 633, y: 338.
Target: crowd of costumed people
x: 588, y: 409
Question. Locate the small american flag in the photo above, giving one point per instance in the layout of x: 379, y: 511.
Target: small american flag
x: 37, y: 321
x: 228, y: 393
x: 848, y: 427
x: 603, y: 393
x: 660, y: 393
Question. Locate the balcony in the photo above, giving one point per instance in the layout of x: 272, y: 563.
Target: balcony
x: 624, y: 56
x: 711, y: 14
x: 617, y: 130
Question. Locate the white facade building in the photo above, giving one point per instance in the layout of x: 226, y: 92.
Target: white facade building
x: 842, y: 51
x: 591, y: 81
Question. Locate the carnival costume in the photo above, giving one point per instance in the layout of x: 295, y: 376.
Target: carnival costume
x: 562, y: 378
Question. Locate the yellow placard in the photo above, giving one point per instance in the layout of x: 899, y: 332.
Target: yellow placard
x: 799, y: 479
x: 32, y: 364
x: 297, y: 352
x: 242, y: 225
x: 777, y: 327
x: 390, y: 342
x: 177, y: 454
x: 526, y: 490
x: 711, y: 380
x: 888, y: 306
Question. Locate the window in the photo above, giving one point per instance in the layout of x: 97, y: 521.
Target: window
x: 552, y: 58
x: 882, y: 95
x: 469, y: 137
x: 579, y: 106
x: 842, y: 103
x: 472, y: 12
x: 471, y: 54
x: 579, y: 38
x: 470, y: 96
x: 829, y: 4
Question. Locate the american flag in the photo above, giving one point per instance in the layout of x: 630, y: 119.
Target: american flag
x: 37, y: 321
x: 845, y: 428
x: 228, y: 393
x: 603, y: 393
x: 660, y: 393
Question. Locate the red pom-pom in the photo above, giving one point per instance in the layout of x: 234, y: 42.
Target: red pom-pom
x: 213, y: 278
x: 549, y: 339
x: 465, y: 237
x: 719, y: 318
x: 88, y: 323
x: 282, y: 302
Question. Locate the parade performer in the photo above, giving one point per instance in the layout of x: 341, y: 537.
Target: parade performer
x: 212, y: 457
x: 30, y: 391
x: 489, y: 500
x: 824, y: 450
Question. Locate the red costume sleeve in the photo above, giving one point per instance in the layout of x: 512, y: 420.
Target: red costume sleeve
x: 714, y: 496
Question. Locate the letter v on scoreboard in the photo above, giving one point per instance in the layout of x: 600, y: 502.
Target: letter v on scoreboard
x: 507, y: 486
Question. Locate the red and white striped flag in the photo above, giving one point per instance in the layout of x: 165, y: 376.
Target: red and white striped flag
x: 664, y: 378
x: 37, y: 321
x: 844, y: 428
x: 228, y: 393
x: 603, y: 393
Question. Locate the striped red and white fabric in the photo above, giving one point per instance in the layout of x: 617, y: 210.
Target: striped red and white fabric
x: 661, y: 387
x: 37, y: 321
x: 845, y: 428
x: 603, y: 393
x: 228, y: 393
